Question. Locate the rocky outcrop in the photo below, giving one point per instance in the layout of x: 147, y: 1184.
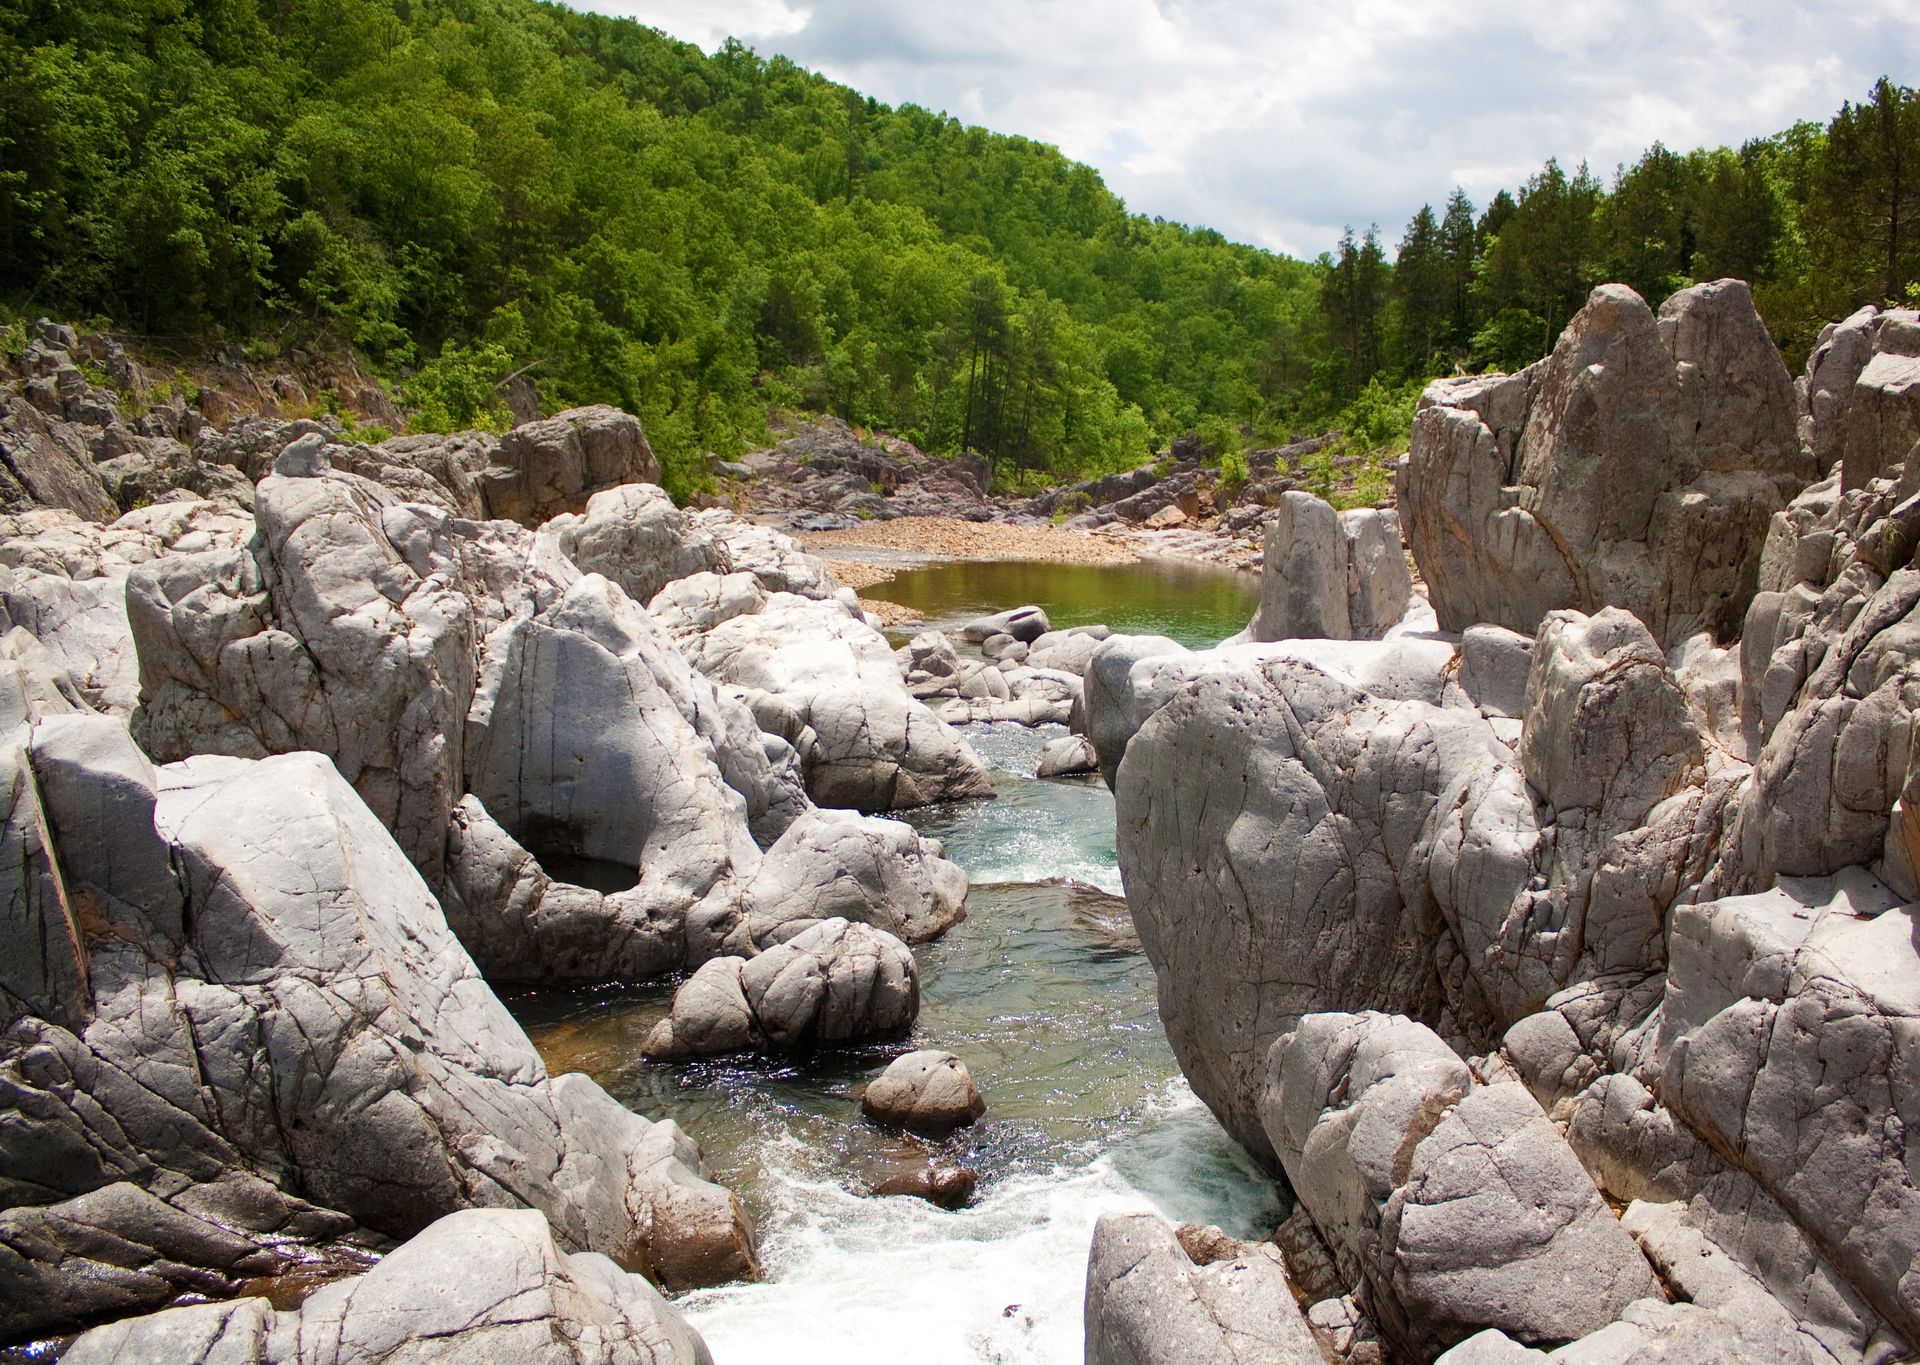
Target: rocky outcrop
x: 64, y: 582
x: 1456, y: 1205
x: 1330, y: 575
x: 1860, y: 399
x: 241, y: 1026
x: 837, y: 982
x: 865, y: 742
x: 323, y: 634
x: 1147, y: 1303
x: 635, y: 536
x: 584, y: 719
x: 1641, y: 897
x: 478, y: 1285
x: 1636, y: 467
x: 927, y: 1092
x: 542, y: 469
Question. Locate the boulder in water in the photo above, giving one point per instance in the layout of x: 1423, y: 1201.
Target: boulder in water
x: 927, y: 1092
x: 1067, y: 756
x: 1025, y: 624
x: 835, y: 983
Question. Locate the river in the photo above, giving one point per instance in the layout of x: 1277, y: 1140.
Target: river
x: 1045, y: 995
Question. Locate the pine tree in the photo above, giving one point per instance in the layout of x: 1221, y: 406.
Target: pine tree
x: 1460, y: 247
x: 1422, y: 294
x: 1864, y: 214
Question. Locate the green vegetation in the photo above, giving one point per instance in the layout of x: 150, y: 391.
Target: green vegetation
x: 464, y: 190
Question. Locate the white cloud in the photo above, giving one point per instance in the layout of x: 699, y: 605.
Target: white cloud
x: 1278, y: 121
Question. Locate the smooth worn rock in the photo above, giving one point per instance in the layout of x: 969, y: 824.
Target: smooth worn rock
x: 479, y: 1285
x: 874, y: 747
x: 1067, y: 756
x: 1148, y: 1304
x: 585, y: 742
x: 1636, y: 466
x: 835, y: 983
x: 265, y: 991
x: 1455, y: 1206
x: 1329, y: 575
x: 636, y: 537
x: 927, y: 1092
x: 1025, y: 624
x: 1068, y: 651
x: 543, y: 469
x: 1109, y: 696
x: 835, y: 864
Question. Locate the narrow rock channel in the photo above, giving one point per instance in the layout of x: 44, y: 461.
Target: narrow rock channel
x: 1045, y: 995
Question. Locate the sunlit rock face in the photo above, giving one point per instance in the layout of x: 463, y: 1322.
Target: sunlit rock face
x: 1636, y: 466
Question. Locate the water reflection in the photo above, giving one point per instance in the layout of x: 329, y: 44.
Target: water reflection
x: 1196, y: 604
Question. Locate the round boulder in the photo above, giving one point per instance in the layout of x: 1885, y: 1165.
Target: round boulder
x: 925, y: 1092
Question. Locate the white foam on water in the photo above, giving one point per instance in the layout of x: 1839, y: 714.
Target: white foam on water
x: 1002, y: 1281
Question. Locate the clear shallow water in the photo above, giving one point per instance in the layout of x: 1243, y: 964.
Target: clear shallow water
x: 1044, y: 993
x: 1196, y: 604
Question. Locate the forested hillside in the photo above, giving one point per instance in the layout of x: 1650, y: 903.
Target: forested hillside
x: 466, y: 189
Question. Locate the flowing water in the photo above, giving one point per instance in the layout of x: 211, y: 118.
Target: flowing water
x: 1044, y: 993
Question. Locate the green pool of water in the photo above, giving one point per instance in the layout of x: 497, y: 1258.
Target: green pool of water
x: 1196, y: 604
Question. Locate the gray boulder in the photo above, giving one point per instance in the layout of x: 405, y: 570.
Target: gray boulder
x: 1025, y: 624
x: 320, y: 635
x: 1330, y: 575
x: 1109, y: 697
x: 834, y: 983
x: 1148, y: 1304
x: 545, y: 468
x: 265, y: 1025
x: 636, y: 537
x: 926, y: 1092
x: 1067, y: 651
x: 838, y: 865
x: 1636, y: 466
x: 478, y: 1285
x: 1396, y: 854
x: 874, y: 747
x: 585, y: 743
x: 1454, y: 1206
x: 1067, y: 756
x: 774, y: 559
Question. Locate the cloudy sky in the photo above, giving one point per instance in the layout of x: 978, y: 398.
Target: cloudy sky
x: 1278, y: 122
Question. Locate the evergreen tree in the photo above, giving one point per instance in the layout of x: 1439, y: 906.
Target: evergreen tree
x: 1422, y: 293
x: 1460, y: 248
x: 1863, y: 217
